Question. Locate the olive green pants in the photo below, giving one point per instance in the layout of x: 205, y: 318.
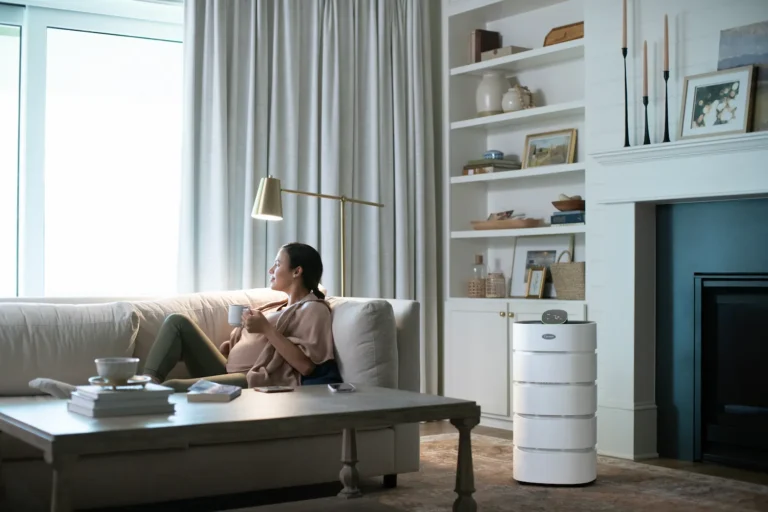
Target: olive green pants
x: 180, y: 339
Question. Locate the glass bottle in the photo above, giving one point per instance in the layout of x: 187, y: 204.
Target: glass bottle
x: 477, y: 281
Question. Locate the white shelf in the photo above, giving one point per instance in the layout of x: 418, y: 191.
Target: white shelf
x: 521, y: 117
x: 514, y: 300
x: 740, y: 143
x: 539, y: 57
x: 484, y: 11
x: 522, y: 173
x: 511, y: 233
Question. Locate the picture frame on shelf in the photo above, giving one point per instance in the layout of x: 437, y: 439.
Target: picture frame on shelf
x: 540, y: 249
x: 718, y: 103
x: 534, y: 289
x: 550, y: 148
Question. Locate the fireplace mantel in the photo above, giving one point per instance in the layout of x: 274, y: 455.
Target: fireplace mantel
x: 698, y: 169
x: 741, y: 143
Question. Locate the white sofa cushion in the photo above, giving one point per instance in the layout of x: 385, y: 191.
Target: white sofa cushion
x: 365, y: 336
x: 208, y: 310
x: 60, y: 341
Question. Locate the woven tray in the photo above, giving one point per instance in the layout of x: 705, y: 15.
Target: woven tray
x: 506, y: 224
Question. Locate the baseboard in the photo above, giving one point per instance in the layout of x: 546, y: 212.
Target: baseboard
x: 499, y: 423
x: 628, y: 456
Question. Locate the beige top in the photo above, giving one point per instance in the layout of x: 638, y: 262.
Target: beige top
x: 307, y: 323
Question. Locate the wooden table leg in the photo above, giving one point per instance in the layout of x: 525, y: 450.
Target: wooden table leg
x: 61, y: 490
x: 465, y: 474
x: 349, y: 475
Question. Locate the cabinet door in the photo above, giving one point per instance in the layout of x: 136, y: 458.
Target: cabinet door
x: 477, y: 354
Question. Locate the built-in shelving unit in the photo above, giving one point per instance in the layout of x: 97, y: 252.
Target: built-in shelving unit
x: 512, y: 233
x: 555, y: 76
x: 523, y: 173
x: 537, y: 114
x: 531, y: 59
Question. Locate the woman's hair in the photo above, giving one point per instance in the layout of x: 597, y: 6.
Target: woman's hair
x: 307, y: 257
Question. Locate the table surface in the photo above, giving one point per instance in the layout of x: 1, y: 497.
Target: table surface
x: 251, y: 416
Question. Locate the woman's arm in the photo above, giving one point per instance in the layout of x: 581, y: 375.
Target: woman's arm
x: 290, y: 352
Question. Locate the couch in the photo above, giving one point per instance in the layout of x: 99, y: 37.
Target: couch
x: 377, y: 343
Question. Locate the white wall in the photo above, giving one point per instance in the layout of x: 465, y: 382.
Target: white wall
x: 620, y: 260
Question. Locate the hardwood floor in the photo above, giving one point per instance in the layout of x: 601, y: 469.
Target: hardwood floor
x: 706, y: 468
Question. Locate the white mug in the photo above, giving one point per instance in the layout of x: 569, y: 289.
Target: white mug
x: 235, y: 316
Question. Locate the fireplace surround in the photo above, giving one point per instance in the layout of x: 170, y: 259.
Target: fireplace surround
x: 625, y: 187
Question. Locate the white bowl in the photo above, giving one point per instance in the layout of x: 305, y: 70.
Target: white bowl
x: 117, y: 368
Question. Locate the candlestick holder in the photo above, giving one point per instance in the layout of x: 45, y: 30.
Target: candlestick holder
x: 647, y: 138
x: 666, y: 106
x: 626, y: 101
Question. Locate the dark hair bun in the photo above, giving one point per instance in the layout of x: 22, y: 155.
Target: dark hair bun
x: 307, y: 257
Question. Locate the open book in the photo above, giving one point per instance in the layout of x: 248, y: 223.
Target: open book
x: 207, y: 391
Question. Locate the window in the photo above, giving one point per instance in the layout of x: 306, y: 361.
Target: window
x: 112, y: 164
x: 100, y: 183
x: 10, y: 66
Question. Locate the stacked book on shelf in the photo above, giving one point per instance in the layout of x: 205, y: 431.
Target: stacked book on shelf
x: 104, y: 402
x: 486, y: 165
x: 569, y: 217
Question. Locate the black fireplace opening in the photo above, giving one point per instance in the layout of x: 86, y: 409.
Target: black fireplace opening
x: 731, y: 369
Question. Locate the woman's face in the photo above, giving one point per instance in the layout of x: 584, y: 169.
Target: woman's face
x: 282, y: 277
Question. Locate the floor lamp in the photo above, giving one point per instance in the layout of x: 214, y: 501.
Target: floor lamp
x: 269, y: 206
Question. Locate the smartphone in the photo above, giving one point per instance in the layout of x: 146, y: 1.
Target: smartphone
x: 341, y: 388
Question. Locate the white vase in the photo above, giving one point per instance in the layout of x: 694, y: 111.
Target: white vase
x: 511, y: 100
x: 489, y: 93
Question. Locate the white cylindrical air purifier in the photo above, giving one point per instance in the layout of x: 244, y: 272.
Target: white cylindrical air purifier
x: 554, y: 402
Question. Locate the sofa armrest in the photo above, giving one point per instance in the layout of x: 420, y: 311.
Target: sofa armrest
x: 407, y: 319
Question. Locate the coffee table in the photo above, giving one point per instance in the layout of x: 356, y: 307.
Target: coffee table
x: 309, y: 410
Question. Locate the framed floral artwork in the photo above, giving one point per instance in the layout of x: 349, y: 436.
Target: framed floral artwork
x: 718, y: 103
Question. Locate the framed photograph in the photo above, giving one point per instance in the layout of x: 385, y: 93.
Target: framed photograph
x: 536, y: 278
x: 718, y: 103
x: 550, y: 148
x: 538, y: 259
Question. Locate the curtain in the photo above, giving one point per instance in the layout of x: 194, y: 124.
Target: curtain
x: 329, y: 96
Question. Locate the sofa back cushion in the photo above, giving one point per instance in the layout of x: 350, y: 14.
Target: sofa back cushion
x: 365, y: 336
x: 60, y: 341
x: 208, y: 309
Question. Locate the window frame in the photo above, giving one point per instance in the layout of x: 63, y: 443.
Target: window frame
x: 13, y: 15
x: 32, y: 128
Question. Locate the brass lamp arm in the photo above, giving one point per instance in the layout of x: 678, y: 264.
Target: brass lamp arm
x: 329, y: 196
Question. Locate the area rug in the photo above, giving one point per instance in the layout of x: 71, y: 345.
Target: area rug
x: 621, y: 485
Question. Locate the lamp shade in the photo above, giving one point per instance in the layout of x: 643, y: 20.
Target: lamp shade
x: 269, y: 201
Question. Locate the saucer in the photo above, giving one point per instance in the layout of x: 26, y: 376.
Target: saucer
x: 136, y: 380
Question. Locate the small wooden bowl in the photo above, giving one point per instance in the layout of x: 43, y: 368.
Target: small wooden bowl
x: 569, y: 205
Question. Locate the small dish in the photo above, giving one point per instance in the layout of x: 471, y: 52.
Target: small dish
x: 569, y: 205
x: 136, y: 380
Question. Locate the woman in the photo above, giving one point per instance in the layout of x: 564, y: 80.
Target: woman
x: 282, y: 343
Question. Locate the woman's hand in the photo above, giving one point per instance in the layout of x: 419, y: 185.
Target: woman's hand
x: 255, y: 322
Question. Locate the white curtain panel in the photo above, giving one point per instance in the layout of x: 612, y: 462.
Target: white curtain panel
x: 330, y: 96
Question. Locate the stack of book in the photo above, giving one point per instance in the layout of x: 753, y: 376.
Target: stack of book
x: 570, y: 217
x: 206, y: 391
x: 102, y: 402
x: 486, y: 165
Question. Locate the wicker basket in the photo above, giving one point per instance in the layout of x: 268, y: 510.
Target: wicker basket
x: 476, y: 289
x: 568, y: 278
x: 496, y: 286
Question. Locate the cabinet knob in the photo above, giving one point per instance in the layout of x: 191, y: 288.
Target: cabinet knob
x: 502, y: 314
x: 511, y: 315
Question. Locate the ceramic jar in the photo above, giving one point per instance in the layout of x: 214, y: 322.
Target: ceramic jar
x: 489, y: 93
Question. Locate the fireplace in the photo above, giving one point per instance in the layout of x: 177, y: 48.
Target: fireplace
x: 712, y: 332
x: 731, y: 369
